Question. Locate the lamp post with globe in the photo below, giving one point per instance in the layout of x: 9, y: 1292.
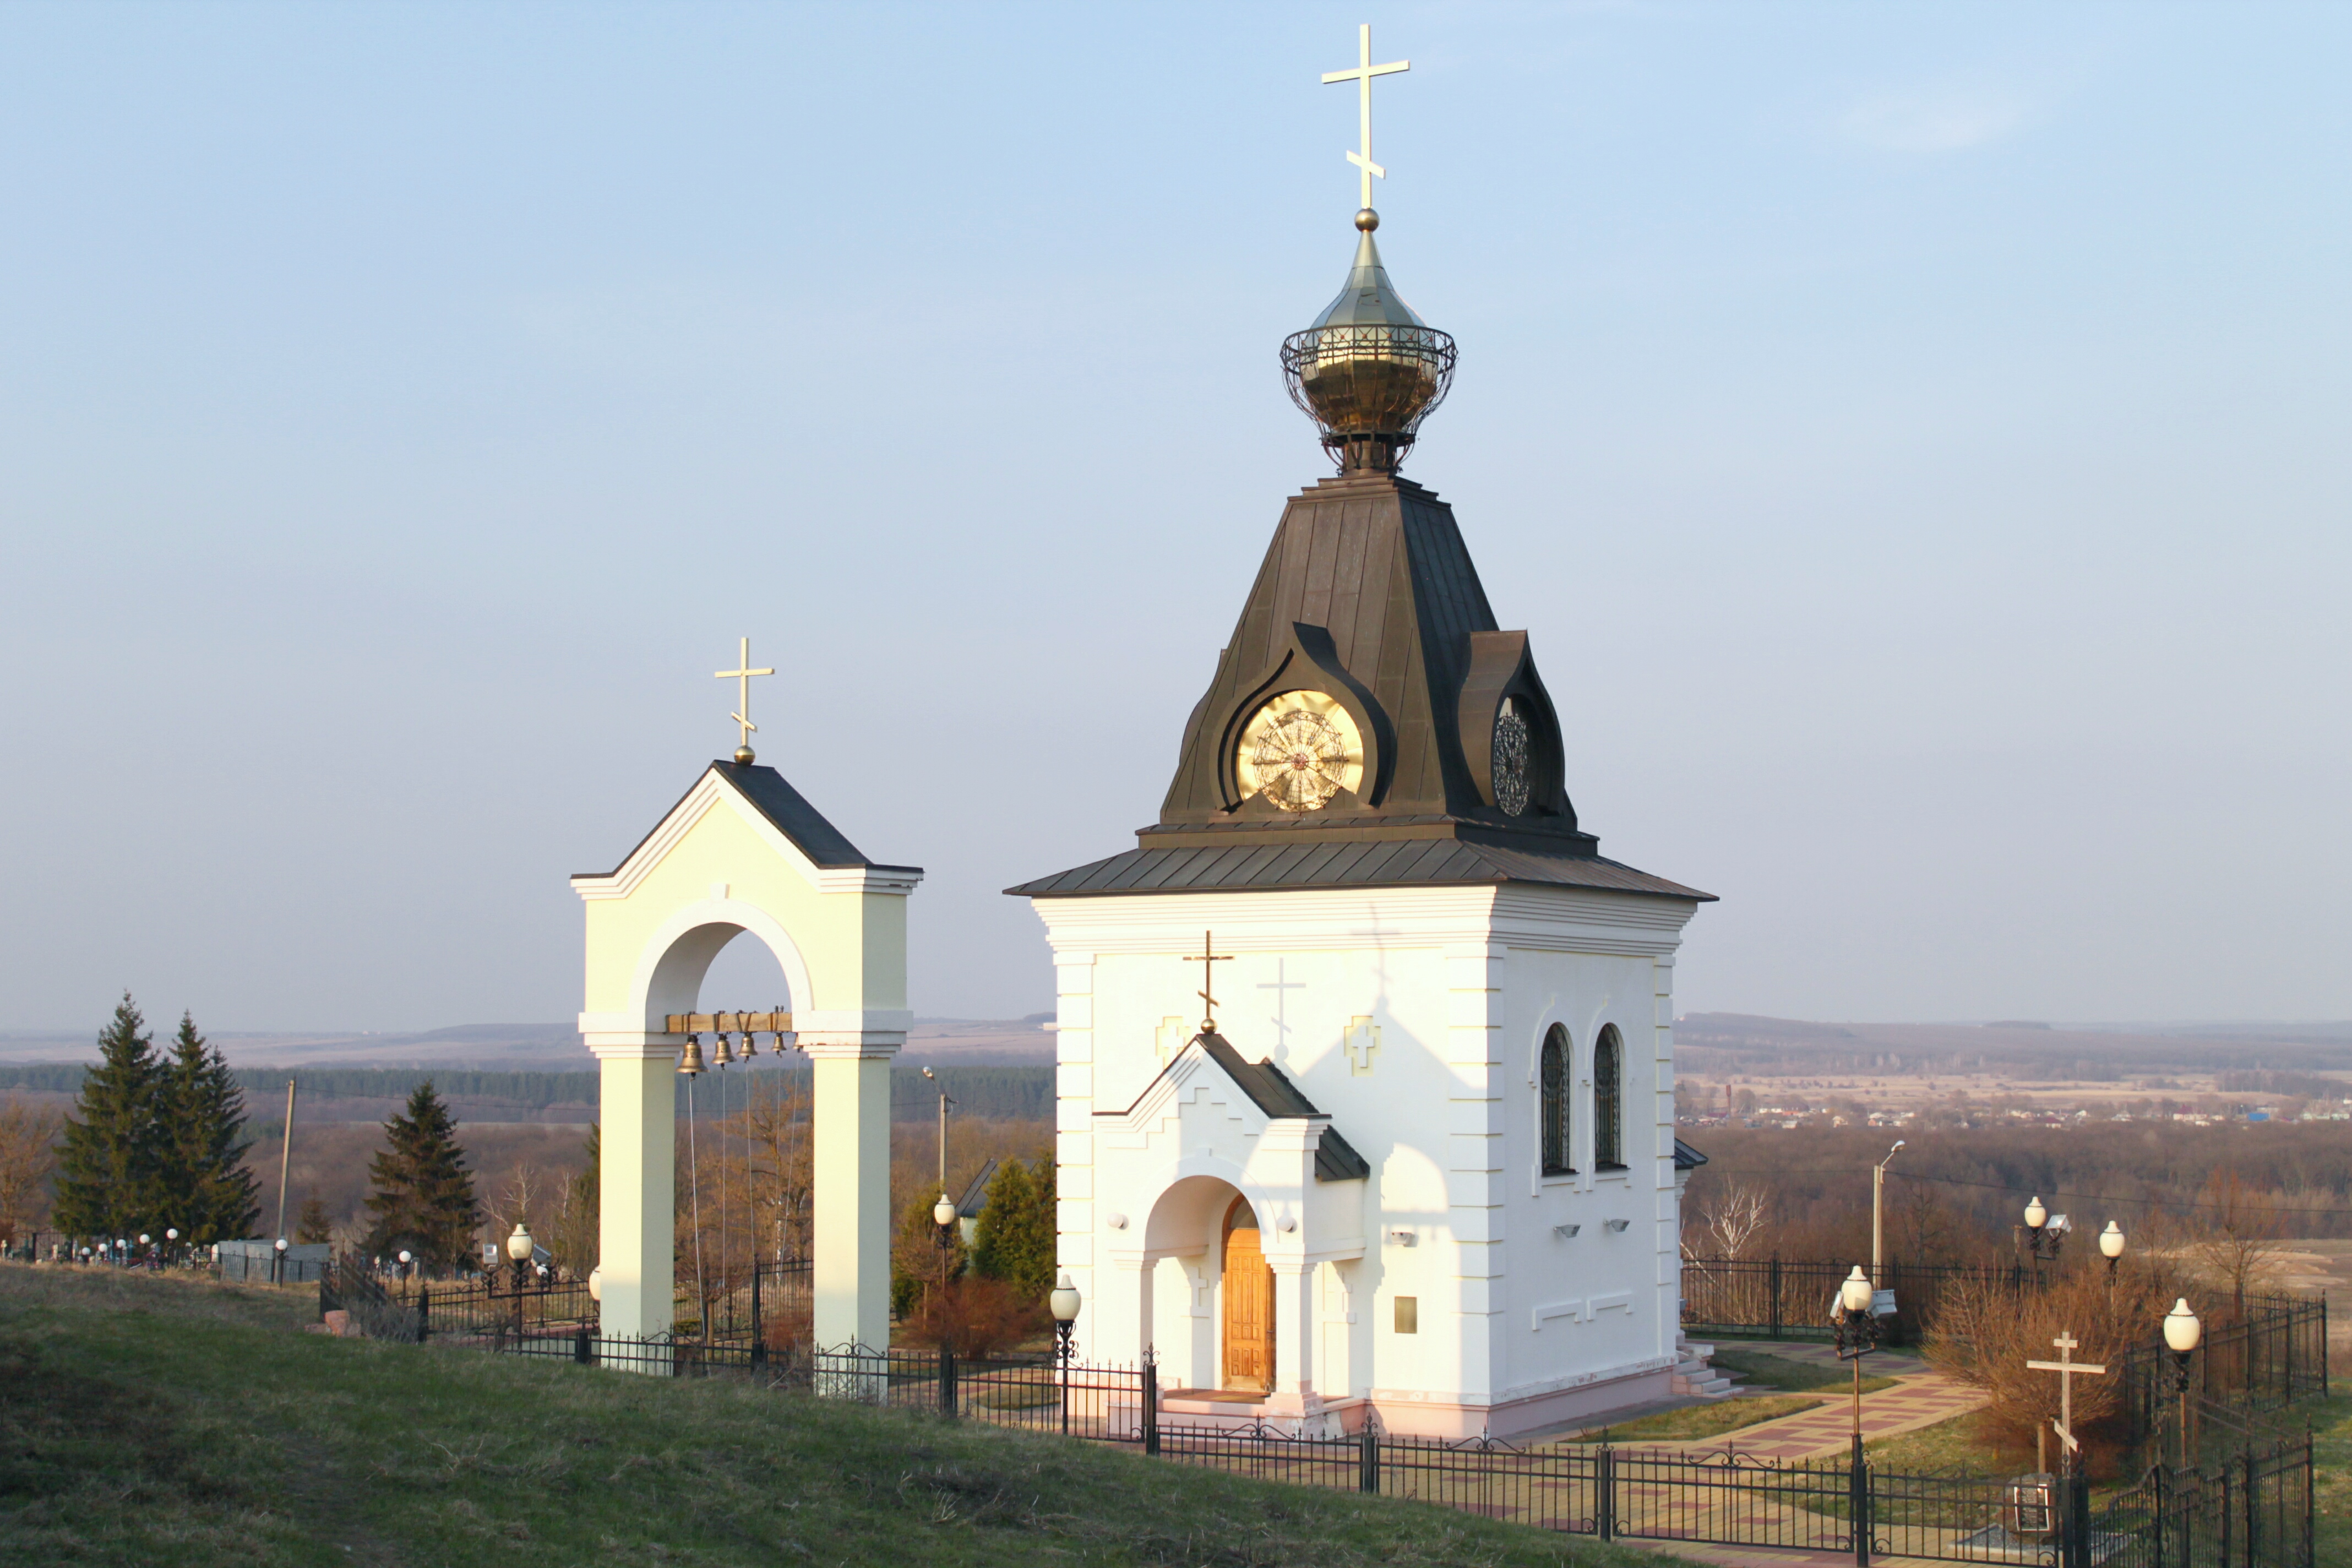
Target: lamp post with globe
x: 2182, y: 1330
x: 2043, y: 1234
x: 943, y: 1216
x: 1065, y: 1303
x: 1855, y: 1323
x: 2110, y: 1247
x: 518, y: 1250
x: 277, y: 1261
x: 172, y: 1235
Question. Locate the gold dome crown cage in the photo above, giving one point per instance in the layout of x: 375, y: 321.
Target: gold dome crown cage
x: 1368, y: 371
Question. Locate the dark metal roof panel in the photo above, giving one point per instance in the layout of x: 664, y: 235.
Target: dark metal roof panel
x: 1412, y: 862
x: 1688, y: 1158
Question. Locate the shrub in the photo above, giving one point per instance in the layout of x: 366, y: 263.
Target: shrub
x: 974, y: 1317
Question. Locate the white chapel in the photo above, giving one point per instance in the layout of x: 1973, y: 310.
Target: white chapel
x: 1416, y: 1161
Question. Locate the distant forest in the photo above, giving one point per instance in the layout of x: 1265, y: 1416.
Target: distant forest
x: 990, y: 1093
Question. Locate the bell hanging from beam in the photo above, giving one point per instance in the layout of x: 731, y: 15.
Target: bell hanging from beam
x: 692, y: 1063
x: 725, y: 1057
x: 751, y: 1045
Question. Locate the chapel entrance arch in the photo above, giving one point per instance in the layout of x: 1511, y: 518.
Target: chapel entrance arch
x: 743, y: 852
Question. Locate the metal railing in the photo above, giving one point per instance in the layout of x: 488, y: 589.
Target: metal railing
x: 1791, y: 1299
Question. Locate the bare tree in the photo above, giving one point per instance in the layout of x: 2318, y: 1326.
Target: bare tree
x: 1727, y: 1225
x: 28, y: 1156
x: 2236, y: 1244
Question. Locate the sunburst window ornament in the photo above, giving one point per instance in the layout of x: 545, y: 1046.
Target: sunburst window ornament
x: 1510, y: 761
x: 1299, y: 751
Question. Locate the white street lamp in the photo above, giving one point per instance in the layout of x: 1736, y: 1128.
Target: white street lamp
x: 2182, y: 1330
x: 2036, y: 1214
x: 1065, y: 1303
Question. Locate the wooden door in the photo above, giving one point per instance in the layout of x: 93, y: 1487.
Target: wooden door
x: 1249, y: 1304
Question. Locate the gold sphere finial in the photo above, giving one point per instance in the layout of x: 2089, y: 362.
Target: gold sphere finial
x: 743, y: 756
x: 1367, y: 219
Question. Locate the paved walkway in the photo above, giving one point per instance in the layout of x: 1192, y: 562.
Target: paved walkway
x: 1920, y: 1397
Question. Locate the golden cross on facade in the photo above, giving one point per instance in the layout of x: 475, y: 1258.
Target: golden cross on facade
x: 1362, y: 77
x: 742, y: 674
x: 1208, y: 958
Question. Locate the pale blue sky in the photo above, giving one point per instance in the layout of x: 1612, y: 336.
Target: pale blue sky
x: 1914, y: 437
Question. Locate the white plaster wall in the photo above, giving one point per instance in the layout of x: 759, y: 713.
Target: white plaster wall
x: 1458, y: 983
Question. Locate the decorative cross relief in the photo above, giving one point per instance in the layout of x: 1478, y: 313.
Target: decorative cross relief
x: 1362, y: 1043
x: 1280, y: 984
x: 1172, y: 1036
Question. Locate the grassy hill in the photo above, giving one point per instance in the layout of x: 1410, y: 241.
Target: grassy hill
x: 156, y: 1421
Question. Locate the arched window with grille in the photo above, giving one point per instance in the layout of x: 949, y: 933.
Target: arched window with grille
x: 1556, y: 1103
x: 1609, y: 1101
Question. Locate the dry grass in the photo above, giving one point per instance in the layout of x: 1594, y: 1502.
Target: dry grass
x: 158, y: 1421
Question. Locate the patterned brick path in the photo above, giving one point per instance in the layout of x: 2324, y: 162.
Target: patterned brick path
x: 1920, y: 1397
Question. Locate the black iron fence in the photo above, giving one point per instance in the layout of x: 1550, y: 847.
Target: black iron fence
x: 1792, y: 1298
x: 2255, y: 1511
x: 2276, y: 1355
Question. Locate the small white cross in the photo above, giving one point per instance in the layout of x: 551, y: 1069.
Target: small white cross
x: 1362, y: 77
x: 742, y: 674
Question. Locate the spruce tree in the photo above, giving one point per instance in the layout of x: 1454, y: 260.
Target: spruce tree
x: 1014, y: 1240
x: 313, y: 1225
x: 424, y: 1197
x: 108, y: 1170
x: 205, y: 1188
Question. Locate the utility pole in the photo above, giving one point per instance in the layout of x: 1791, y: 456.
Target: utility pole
x: 284, y: 1156
x: 944, y: 1103
x: 1878, y: 1218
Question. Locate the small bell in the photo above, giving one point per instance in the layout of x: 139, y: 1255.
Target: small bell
x: 725, y: 1057
x: 692, y: 1063
x: 751, y: 1045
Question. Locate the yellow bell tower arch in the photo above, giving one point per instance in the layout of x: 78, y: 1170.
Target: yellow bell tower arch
x: 744, y: 851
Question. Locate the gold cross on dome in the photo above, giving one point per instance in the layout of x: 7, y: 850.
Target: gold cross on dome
x: 1208, y: 958
x: 742, y: 674
x: 1362, y: 77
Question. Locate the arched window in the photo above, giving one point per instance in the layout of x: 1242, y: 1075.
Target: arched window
x: 1607, y: 1101
x: 1556, y: 1103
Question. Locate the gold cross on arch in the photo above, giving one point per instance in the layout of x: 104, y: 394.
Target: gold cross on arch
x: 742, y: 674
x: 1362, y: 77
x: 1208, y: 958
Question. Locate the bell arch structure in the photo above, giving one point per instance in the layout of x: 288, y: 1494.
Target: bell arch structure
x: 743, y: 851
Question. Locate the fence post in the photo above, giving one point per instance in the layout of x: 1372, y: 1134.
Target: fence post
x: 759, y: 1340
x: 2075, y: 1541
x: 1604, y: 1477
x: 1857, y: 1504
x: 2227, y: 1513
x: 2323, y: 1347
x: 580, y: 1344
x: 1367, y: 1457
x: 947, y: 1381
x: 1151, y: 1402
x: 1776, y: 1295
x: 2254, y: 1510
x: 423, y: 1313
x: 2310, y: 1541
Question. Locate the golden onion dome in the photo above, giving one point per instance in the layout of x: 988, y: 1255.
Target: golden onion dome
x: 1369, y: 370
